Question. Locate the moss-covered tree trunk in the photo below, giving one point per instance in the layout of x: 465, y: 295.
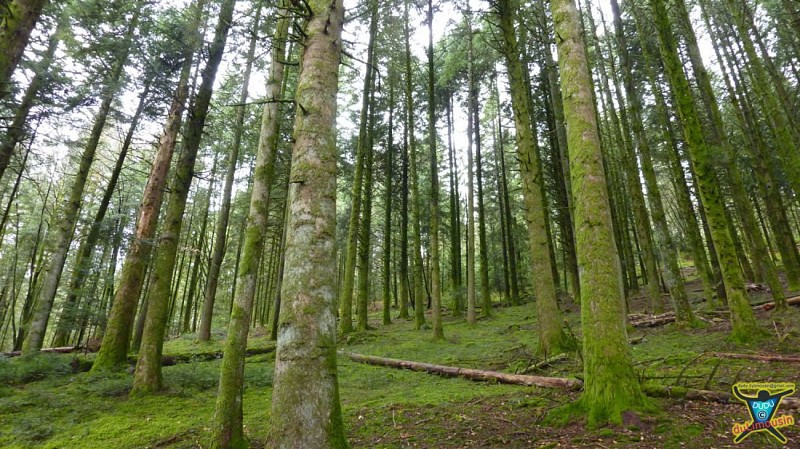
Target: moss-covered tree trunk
x: 70, y: 210
x: 762, y: 262
x: 416, y: 234
x: 470, y: 207
x: 551, y: 337
x: 436, y: 294
x: 365, y: 226
x: 483, y: 247
x: 228, y: 413
x: 114, y: 348
x: 388, y: 202
x: 17, y: 19
x: 67, y: 319
x: 403, y: 284
x: 17, y: 130
x: 306, y: 412
x: 348, y: 278
x: 561, y: 160
x: 147, y: 377
x: 456, y: 280
x: 631, y: 179
x: 669, y: 253
x: 743, y: 320
x: 610, y: 383
x: 221, y: 226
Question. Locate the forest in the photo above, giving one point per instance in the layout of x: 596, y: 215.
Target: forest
x: 403, y: 223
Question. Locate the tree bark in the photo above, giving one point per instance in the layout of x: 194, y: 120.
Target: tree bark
x: 117, y: 333
x: 552, y: 338
x: 221, y: 231
x: 306, y: 412
x: 607, y: 358
x: 744, y: 323
x: 147, y: 377
x: 71, y: 209
x: 16, y: 23
x: 436, y: 294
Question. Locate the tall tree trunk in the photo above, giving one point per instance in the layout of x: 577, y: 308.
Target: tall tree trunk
x: 416, y: 234
x: 512, y: 253
x: 17, y: 20
x: 82, y: 261
x: 607, y: 358
x: 436, y: 294
x: 305, y: 401
x: 70, y: 211
x: 483, y: 251
x: 17, y: 130
x: 147, y: 377
x: 640, y: 218
x: 228, y: 414
x: 669, y: 253
x: 365, y: 226
x: 114, y: 349
x: 403, y: 288
x: 741, y: 200
x: 744, y: 323
x: 470, y: 209
x: 221, y: 231
x: 199, y: 250
x: 456, y: 284
x: 348, y: 281
x: 552, y: 338
x: 387, y: 223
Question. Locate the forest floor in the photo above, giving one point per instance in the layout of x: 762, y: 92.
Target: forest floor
x: 43, y: 403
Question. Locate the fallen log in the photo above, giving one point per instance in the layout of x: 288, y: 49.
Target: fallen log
x: 61, y: 350
x: 654, y: 320
x: 661, y: 391
x: 468, y: 373
x: 794, y: 301
x: 762, y: 358
x: 545, y: 363
x: 639, y: 320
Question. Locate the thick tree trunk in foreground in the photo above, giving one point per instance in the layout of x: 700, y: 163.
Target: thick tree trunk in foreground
x: 147, y: 378
x: 123, y: 309
x: 607, y: 358
x: 306, y: 412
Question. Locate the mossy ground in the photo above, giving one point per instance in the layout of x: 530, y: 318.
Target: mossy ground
x: 44, y: 404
